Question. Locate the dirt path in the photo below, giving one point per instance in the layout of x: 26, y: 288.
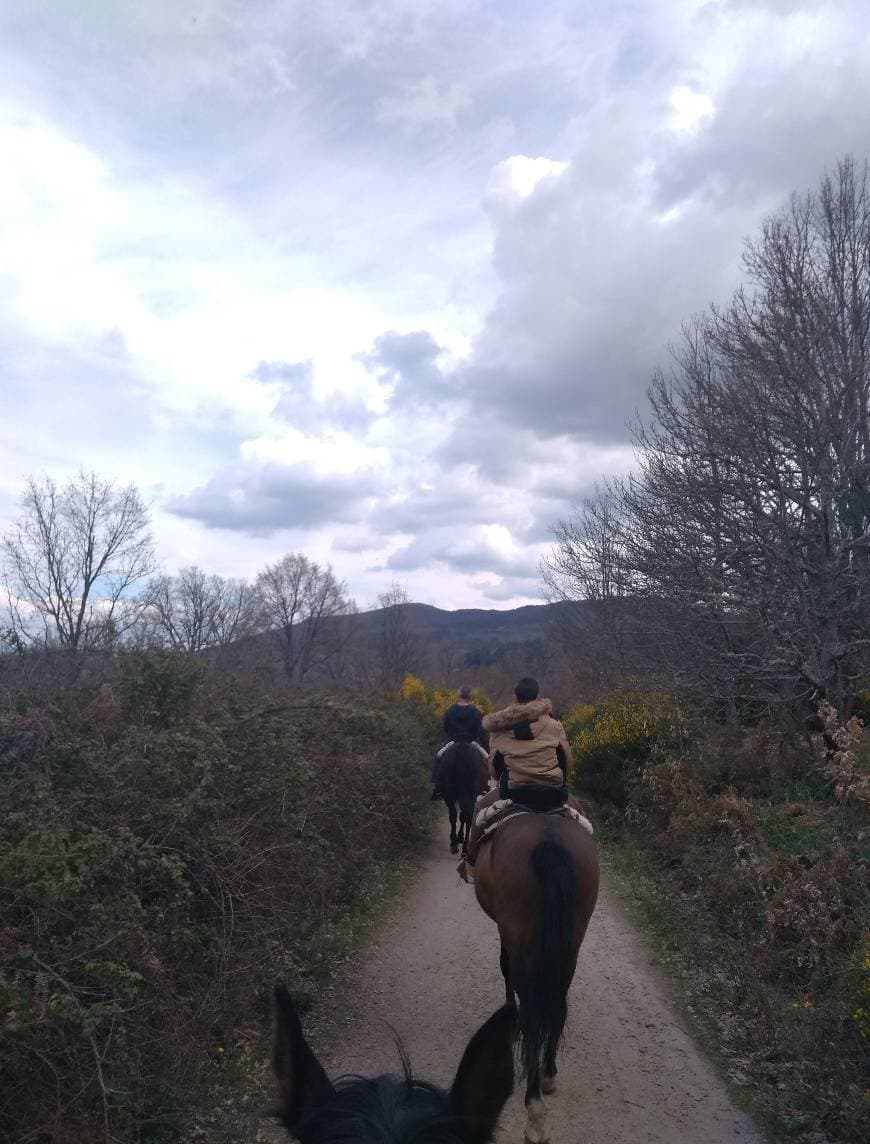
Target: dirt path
x: 629, y: 1073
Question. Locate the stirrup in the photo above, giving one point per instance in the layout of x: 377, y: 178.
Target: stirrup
x: 466, y: 871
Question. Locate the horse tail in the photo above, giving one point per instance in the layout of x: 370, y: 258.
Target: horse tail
x: 545, y: 974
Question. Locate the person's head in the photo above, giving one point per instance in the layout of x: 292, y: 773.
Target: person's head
x: 465, y: 694
x: 526, y: 690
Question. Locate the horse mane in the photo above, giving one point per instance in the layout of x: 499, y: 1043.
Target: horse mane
x: 402, y: 1109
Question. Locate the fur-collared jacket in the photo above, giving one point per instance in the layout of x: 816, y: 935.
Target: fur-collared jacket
x: 530, y: 741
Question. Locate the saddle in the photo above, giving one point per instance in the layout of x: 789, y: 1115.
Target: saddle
x: 491, y: 817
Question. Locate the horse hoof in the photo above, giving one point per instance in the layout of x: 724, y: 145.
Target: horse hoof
x: 537, y: 1129
x: 548, y: 1085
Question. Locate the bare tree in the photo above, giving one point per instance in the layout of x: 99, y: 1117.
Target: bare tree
x: 193, y: 610
x: 343, y: 654
x: 298, y: 602
x: 588, y: 564
x: 745, y: 527
x: 398, y: 642
x: 71, y: 561
x: 446, y: 661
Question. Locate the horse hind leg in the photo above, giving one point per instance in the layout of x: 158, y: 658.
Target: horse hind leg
x: 466, y: 818
x: 504, y: 962
x: 454, y: 844
x: 548, y: 1077
x: 464, y: 831
x: 537, y: 1122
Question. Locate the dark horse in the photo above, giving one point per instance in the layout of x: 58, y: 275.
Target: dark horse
x: 393, y: 1110
x: 462, y: 776
x: 537, y: 878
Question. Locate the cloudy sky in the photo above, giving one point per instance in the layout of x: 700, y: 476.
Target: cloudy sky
x: 382, y: 282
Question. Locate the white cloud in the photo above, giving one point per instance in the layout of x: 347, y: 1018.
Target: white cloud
x: 515, y: 179
x: 424, y: 104
x: 689, y: 109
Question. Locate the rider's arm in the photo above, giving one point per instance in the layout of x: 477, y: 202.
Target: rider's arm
x: 569, y: 758
x: 480, y: 735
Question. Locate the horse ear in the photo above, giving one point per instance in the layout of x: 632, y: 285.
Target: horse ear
x: 485, y: 1078
x: 302, y: 1083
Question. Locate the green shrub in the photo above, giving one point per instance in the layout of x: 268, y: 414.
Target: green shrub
x: 170, y: 846
x: 762, y: 887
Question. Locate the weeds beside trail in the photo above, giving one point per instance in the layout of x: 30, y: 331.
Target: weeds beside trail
x: 171, y: 843
x: 746, y: 855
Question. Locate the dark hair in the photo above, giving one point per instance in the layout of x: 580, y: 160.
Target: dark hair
x: 465, y: 692
x: 526, y: 690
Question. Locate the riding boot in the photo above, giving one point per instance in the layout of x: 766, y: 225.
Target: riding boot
x: 475, y: 835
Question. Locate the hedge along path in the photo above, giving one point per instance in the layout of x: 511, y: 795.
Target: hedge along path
x: 629, y: 1072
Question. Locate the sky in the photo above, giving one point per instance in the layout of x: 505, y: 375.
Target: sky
x: 383, y: 283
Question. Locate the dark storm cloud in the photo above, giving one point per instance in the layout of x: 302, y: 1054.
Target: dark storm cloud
x: 295, y: 375
x: 408, y: 364
x: 512, y: 588
x: 262, y: 499
x: 597, y: 276
x: 466, y: 554
x: 460, y: 505
x: 297, y: 404
x: 814, y: 114
x: 583, y: 322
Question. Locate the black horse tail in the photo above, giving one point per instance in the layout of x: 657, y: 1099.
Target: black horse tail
x: 543, y: 977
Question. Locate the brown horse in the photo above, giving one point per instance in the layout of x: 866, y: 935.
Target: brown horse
x: 537, y: 878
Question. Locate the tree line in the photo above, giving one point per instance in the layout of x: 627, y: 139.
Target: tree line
x: 81, y: 575
x: 733, y: 562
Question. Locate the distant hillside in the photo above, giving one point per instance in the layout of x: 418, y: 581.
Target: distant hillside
x: 476, y: 630
x: 476, y: 637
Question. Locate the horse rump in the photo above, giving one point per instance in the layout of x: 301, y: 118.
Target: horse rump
x: 462, y: 772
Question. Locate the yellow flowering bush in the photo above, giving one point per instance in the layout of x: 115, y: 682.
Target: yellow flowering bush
x: 436, y: 698
x: 413, y: 689
x: 612, y: 739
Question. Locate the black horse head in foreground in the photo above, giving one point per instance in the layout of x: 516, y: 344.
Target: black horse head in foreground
x: 390, y: 1109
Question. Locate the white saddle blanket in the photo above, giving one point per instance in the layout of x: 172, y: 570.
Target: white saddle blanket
x: 486, y: 816
x: 447, y: 747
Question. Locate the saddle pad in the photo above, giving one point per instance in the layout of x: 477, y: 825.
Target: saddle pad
x: 579, y: 818
x: 490, y: 812
x: 447, y: 747
x: 492, y: 816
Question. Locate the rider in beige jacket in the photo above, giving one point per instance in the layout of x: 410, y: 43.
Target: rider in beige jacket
x: 532, y: 744
x: 532, y: 747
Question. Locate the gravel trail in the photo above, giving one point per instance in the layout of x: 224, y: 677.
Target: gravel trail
x: 629, y: 1072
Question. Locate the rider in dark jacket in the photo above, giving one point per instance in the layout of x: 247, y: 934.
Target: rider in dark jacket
x: 463, y: 723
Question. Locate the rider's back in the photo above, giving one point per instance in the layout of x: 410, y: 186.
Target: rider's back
x: 462, y: 722
x: 530, y: 741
